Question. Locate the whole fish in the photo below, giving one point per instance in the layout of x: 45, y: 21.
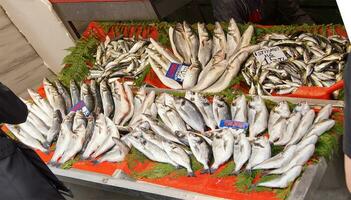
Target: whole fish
x: 74, y: 90
x: 220, y: 109
x: 112, y: 132
x: 190, y: 114
x: 95, y: 91
x: 304, y: 126
x: 324, y: 113
x: 87, y: 97
x: 160, y: 128
x: 239, y: 109
x: 192, y: 40
x: 171, y: 40
x: 305, y: 142
x: 99, y: 135
x: 149, y: 100
x: 299, y: 159
x: 116, y: 154
x: 175, y: 119
x: 161, y: 111
x: 54, y: 129
x: 206, y: 110
x: 25, y: 138
x: 89, y: 131
x: 233, y: 38
x: 246, y: 37
x: 261, y: 151
x: 242, y: 151
x: 257, y: 116
x: 277, y: 130
x: 106, y: 97
x: 75, y: 145
x: 123, y: 110
x: 65, y: 95
x: 58, y: 103
x: 191, y: 75
x: 182, y: 136
x: 151, y: 136
x: 284, y: 180
x: 178, y: 155
x: 41, y: 102
x: 222, y: 148
x: 38, y: 123
x: 279, y: 111
x: 138, y: 101
x: 210, y: 75
x: 165, y: 53
x: 130, y: 98
x: 278, y: 160
x: 291, y: 124
x: 200, y: 149
x: 181, y: 44
x: 79, y: 119
x: 32, y: 131
x: 205, y: 45
x: 62, y: 143
x: 302, y: 107
x: 219, y: 41
x: 320, y: 127
x: 49, y: 88
x: 36, y: 110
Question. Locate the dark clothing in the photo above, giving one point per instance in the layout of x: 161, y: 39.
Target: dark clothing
x: 347, y: 109
x: 23, y: 175
x: 260, y: 11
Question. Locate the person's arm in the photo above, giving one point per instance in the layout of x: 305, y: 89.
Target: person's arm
x: 347, y: 125
x: 12, y: 109
x: 290, y: 9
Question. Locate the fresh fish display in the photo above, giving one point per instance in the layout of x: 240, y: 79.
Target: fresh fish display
x: 313, y: 60
x: 222, y: 148
x: 200, y: 149
x: 212, y: 62
x: 257, y: 116
x: 242, y: 151
x: 284, y: 180
x: 261, y: 151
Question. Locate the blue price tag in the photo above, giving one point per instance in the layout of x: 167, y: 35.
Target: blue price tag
x: 233, y: 124
x: 81, y: 106
x: 177, y: 71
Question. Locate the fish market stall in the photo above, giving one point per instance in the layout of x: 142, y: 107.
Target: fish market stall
x: 185, y: 111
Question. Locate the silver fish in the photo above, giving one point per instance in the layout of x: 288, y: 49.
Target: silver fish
x: 36, y: 110
x: 171, y: 40
x: 75, y: 93
x: 75, y: 145
x: 41, y: 102
x: 242, y: 151
x: 181, y: 43
x: 305, y: 142
x: 320, y: 127
x: 107, y: 101
x: 239, y: 109
x: 116, y: 154
x: 99, y: 135
x: 299, y: 159
x: 222, y: 148
x: 192, y: 40
x: 277, y: 130
x: 278, y: 160
x: 257, y: 116
x: 165, y: 53
x: 175, y: 119
x: 190, y: 114
x: 55, y: 128
x: 324, y: 113
x: 284, y: 180
x: 160, y: 128
x: 58, y: 103
x: 32, y: 131
x: 200, y: 149
x: 62, y: 143
x: 89, y: 131
x: 233, y: 38
x: 302, y: 129
x: 220, y: 109
x: 25, y: 138
x: 65, y: 95
x: 79, y: 119
x: 205, y: 45
x: 38, y: 123
x: 292, y: 123
x: 246, y: 37
x: 206, y: 110
x: 302, y: 107
x: 87, y: 97
x: 178, y: 155
x: 191, y: 75
x: 95, y: 91
x: 129, y: 95
x: 261, y: 151
x: 219, y: 40
x: 279, y: 111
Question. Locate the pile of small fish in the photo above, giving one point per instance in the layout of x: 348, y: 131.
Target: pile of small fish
x: 169, y: 129
x: 313, y: 60
x: 119, y: 58
x: 213, y: 62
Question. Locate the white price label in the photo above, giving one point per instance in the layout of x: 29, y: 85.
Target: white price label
x: 269, y: 55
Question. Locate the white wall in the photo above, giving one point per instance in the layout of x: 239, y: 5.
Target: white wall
x: 344, y: 8
x: 38, y: 22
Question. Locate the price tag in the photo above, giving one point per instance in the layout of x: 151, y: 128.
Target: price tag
x: 233, y: 124
x: 81, y: 106
x: 269, y: 55
x: 177, y: 71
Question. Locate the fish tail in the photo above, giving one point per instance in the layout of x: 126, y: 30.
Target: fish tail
x: 191, y: 174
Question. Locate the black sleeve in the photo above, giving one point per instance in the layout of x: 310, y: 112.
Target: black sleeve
x: 347, y: 109
x: 291, y: 11
x: 12, y: 109
x: 223, y: 10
